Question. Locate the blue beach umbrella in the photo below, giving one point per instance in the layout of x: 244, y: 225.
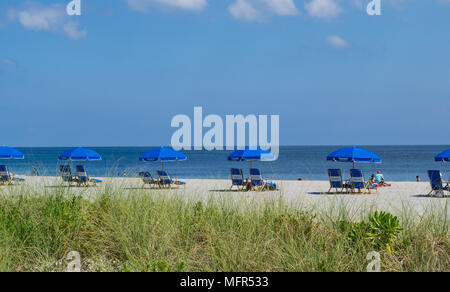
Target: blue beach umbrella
x: 162, y: 154
x: 10, y: 153
x: 251, y: 154
x: 354, y: 154
x: 444, y: 156
x: 80, y: 154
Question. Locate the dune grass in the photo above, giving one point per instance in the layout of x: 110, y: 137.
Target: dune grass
x: 145, y: 230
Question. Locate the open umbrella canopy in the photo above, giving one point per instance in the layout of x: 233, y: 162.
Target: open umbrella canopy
x: 249, y: 154
x: 162, y: 154
x: 80, y: 154
x: 354, y: 154
x: 10, y: 153
x: 444, y: 156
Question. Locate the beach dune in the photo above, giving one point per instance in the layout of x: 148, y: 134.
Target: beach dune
x: 401, y: 198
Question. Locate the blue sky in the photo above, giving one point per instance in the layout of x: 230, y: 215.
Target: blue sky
x: 116, y: 75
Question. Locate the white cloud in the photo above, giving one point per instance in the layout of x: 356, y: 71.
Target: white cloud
x: 259, y: 9
x: 71, y: 29
x: 357, y: 3
x: 337, y: 42
x: 144, y: 5
x: 323, y: 8
x: 35, y: 16
x: 241, y: 9
x: 282, y: 7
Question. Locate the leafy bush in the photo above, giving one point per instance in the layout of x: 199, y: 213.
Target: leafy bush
x: 380, y: 232
x: 383, y: 230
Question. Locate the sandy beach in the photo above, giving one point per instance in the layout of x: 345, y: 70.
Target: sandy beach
x: 402, y: 198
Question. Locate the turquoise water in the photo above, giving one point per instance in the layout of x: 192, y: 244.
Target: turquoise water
x: 400, y: 163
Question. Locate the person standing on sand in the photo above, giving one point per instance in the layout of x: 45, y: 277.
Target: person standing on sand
x: 379, y: 179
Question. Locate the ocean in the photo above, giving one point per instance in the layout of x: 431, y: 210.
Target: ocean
x: 400, y: 163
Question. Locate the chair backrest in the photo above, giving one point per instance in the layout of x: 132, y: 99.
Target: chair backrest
x: 164, y: 177
x: 4, y: 174
x: 146, y: 177
x: 66, y: 173
x: 82, y: 173
x: 237, y: 177
x: 357, y: 178
x: 435, y: 179
x: 256, y: 177
x: 335, y: 176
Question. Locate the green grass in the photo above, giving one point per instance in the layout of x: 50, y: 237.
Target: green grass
x: 146, y: 230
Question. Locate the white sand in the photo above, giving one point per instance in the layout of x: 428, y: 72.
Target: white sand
x: 402, y: 198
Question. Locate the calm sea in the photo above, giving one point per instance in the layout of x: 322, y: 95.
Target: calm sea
x: 400, y: 163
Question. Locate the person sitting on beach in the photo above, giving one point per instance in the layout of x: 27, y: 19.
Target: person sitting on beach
x: 418, y: 179
x: 372, y: 181
x: 379, y: 179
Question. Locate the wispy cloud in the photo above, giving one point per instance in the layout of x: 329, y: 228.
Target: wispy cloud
x: 323, y: 8
x: 282, y: 7
x: 241, y: 9
x: 251, y: 10
x: 337, y: 42
x: 145, y: 5
x: 38, y: 17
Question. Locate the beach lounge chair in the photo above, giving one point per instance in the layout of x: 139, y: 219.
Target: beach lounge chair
x: 436, y: 183
x: 258, y: 183
x: 237, y: 179
x: 148, y: 179
x: 166, y: 181
x: 66, y: 174
x: 357, y: 182
x: 6, y: 178
x: 83, y: 179
x: 336, y: 182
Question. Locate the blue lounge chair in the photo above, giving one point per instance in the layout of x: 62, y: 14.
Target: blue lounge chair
x: 83, y: 179
x: 6, y: 178
x: 237, y: 179
x: 336, y: 182
x: 166, y: 181
x: 148, y: 179
x: 357, y: 182
x: 258, y: 183
x: 66, y: 174
x: 436, y: 183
